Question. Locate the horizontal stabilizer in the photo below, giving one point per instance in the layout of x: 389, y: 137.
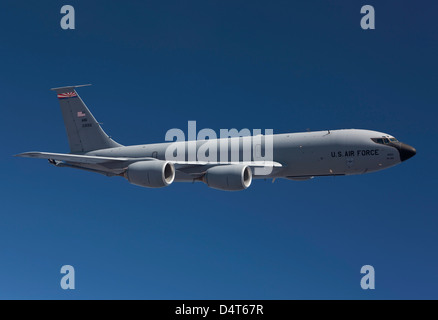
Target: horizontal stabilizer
x: 68, y: 88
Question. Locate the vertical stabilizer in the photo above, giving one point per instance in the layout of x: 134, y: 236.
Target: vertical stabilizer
x: 83, y: 131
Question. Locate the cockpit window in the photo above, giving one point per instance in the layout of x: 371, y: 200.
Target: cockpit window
x: 378, y: 140
x: 384, y: 140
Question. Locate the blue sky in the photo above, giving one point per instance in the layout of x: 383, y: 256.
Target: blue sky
x: 286, y: 65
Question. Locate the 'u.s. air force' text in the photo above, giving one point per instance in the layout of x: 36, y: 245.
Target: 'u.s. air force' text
x: 355, y: 153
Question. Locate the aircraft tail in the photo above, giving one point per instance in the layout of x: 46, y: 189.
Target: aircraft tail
x: 83, y: 131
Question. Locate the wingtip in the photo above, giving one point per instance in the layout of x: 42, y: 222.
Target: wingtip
x: 26, y: 154
x: 19, y: 154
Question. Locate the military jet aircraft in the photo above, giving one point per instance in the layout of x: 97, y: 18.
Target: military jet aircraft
x: 295, y: 156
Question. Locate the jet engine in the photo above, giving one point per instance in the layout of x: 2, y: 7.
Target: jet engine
x: 229, y: 177
x: 151, y: 174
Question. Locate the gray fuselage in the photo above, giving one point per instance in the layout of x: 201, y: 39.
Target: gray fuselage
x: 301, y: 155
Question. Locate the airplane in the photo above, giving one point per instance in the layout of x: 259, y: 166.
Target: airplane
x: 296, y: 156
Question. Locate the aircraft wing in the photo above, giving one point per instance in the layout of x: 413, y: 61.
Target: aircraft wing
x: 98, y: 160
x: 210, y: 163
x: 70, y: 157
x: 117, y: 165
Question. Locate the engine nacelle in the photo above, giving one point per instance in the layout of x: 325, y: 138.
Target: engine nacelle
x: 231, y: 177
x: 151, y: 174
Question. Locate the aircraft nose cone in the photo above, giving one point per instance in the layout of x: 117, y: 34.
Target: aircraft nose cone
x: 406, y: 151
